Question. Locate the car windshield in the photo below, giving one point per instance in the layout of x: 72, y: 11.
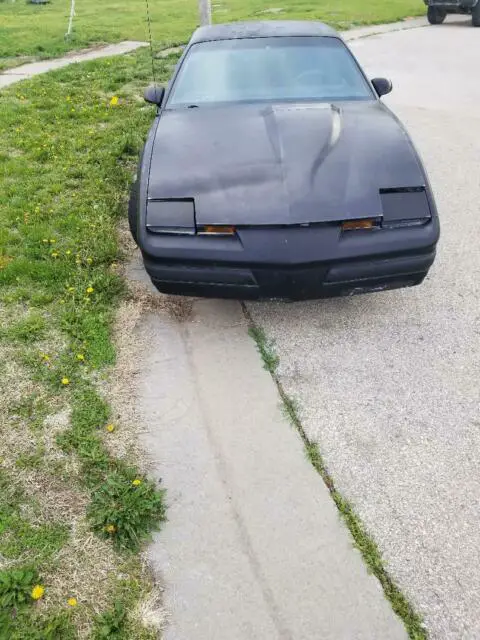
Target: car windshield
x: 268, y: 69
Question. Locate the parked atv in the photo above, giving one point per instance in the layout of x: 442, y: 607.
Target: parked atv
x: 438, y: 9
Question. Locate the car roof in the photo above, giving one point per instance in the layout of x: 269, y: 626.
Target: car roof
x: 262, y: 29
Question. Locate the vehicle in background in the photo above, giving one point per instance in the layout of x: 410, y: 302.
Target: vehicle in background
x: 439, y: 9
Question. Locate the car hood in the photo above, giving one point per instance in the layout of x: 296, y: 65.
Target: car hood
x: 282, y: 164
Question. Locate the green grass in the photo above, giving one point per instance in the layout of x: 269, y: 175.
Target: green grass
x: 172, y: 20
x: 362, y: 539
x: 66, y: 160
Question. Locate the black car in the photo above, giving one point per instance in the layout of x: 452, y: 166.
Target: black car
x: 439, y: 9
x: 273, y: 170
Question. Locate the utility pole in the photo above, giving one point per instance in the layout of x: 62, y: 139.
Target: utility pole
x: 70, y: 21
x: 205, y: 12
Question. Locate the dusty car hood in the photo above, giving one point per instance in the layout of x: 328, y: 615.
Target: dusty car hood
x: 282, y: 164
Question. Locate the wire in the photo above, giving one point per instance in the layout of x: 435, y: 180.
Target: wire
x: 150, y: 39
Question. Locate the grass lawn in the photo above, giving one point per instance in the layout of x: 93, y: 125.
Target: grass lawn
x: 72, y: 514
x: 29, y: 31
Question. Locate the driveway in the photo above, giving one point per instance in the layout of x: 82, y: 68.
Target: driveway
x: 389, y: 384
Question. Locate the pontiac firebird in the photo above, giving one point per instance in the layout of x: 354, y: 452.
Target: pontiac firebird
x: 274, y: 170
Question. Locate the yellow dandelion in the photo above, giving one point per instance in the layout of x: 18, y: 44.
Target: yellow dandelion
x: 137, y: 482
x: 52, y: 240
x: 68, y: 252
x: 45, y: 240
x: 38, y: 591
x: 54, y: 254
x: 65, y: 381
x: 114, y: 101
x: 89, y: 260
x: 110, y: 428
x: 72, y: 602
x: 110, y: 528
x: 80, y: 356
x: 89, y: 289
x: 45, y: 357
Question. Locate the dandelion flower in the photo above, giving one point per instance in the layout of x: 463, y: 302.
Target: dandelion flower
x: 89, y: 289
x: 68, y: 252
x: 38, y: 591
x: 45, y: 240
x: 54, y: 254
x: 45, y: 357
x: 137, y: 482
x: 89, y: 260
x: 52, y: 240
x: 80, y: 356
x: 72, y: 602
x: 110, y: 528
x: 114, y: 101
x: 110, y: 428
x: 65, y: 381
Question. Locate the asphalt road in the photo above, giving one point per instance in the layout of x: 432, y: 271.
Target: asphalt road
x: 389, y: 384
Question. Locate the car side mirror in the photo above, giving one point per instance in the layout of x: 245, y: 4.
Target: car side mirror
x: 382, y: 86
x: 154, y: 94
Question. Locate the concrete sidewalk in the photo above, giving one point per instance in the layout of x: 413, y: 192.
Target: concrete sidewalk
x: 254, y: 547
x: 28, y: 71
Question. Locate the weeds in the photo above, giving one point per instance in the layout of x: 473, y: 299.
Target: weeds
x: 126, y: 508
x: 16, y: 587
x: 265, y: 347
x: 67, y: 157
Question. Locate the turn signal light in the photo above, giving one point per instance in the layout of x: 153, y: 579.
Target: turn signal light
x: 217, y: 230
x: 352, y: 225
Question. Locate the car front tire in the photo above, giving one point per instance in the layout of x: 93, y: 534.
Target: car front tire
x: 436, y: 15
x: 133, y: 211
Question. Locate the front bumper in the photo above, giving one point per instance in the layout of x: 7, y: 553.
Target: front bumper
x: 289, y: 283
x: 290, y: 263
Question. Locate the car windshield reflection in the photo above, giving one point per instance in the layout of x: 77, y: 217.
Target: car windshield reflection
x: 268, y: 69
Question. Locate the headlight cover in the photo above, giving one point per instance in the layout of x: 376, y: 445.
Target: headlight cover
x: 405, y: 207
x: 171, y: 216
